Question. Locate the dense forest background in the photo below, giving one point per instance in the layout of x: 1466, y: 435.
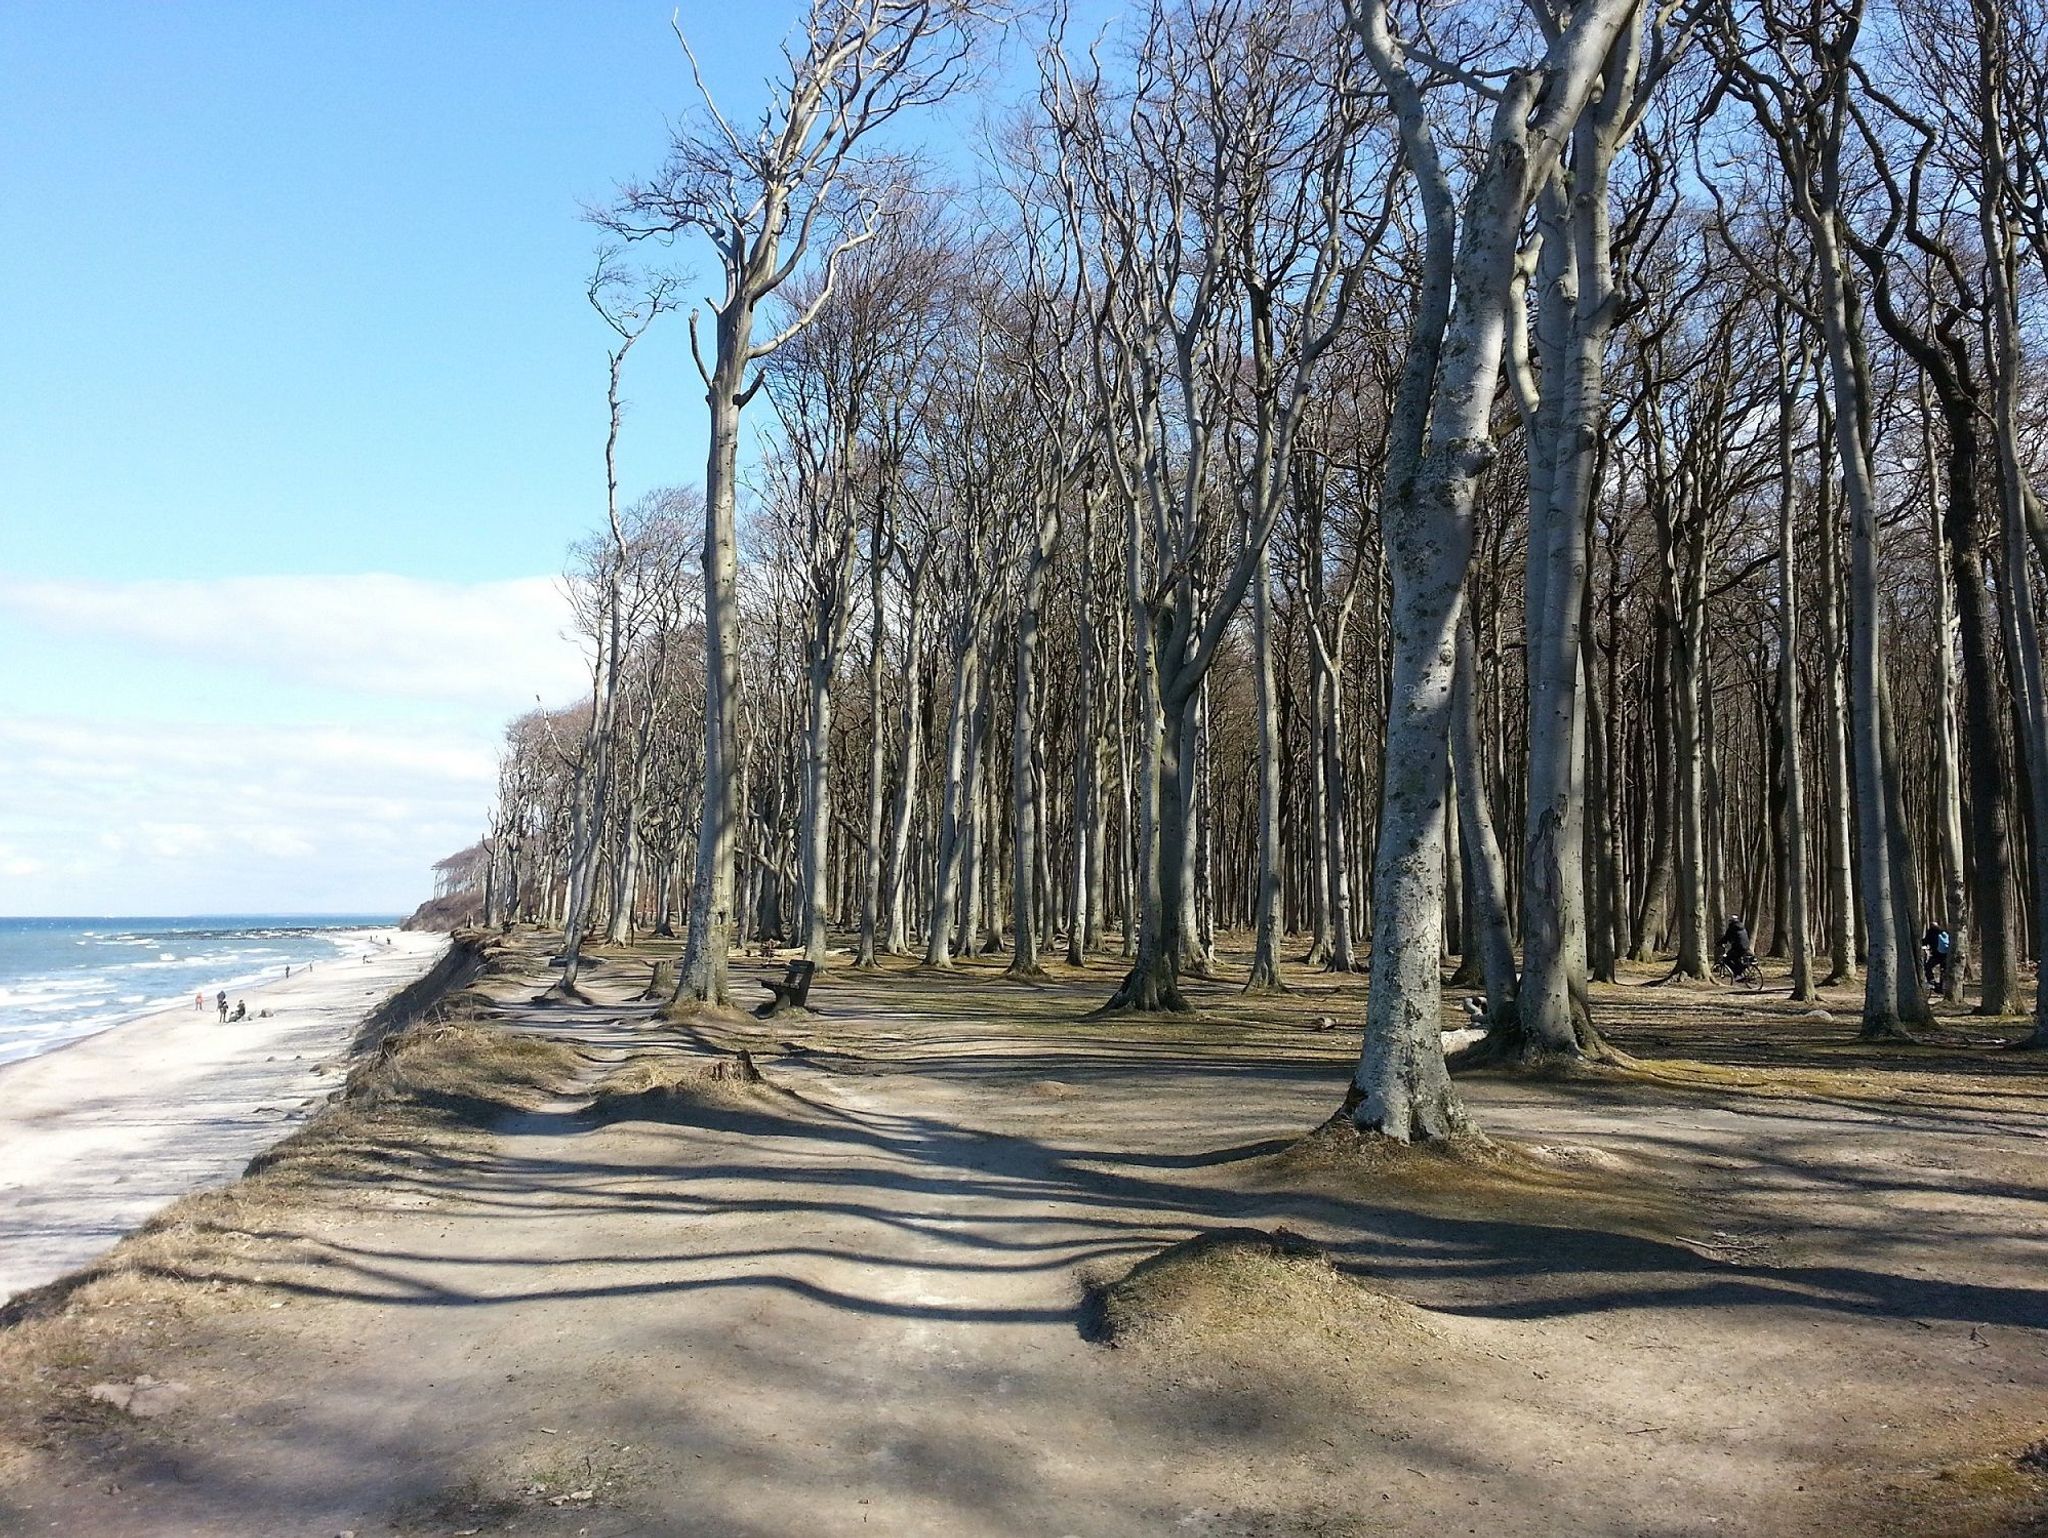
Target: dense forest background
x: 1342, y: 488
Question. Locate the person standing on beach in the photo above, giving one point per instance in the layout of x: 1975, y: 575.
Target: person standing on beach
x: 222, y: 1001
x: 198, y: 1001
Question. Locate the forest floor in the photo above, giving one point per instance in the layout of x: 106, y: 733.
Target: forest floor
x: 539, y: 1272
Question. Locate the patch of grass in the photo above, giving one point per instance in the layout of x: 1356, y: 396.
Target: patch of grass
x: 1557, y: 1184
x: 1997, y: 1493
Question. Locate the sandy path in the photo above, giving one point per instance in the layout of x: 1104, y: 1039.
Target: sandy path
x: 855, y: 1313
x: 100, y: 1134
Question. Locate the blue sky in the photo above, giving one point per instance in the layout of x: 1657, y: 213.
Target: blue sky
x: 300, y: 406
x: 296, y: 288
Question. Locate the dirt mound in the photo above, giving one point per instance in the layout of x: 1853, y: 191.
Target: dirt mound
x: 1248, y: 1294
x: 667, y: 1091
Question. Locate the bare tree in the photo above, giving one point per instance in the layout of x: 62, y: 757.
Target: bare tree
x: 1441, y: 443
x: 801, y: 189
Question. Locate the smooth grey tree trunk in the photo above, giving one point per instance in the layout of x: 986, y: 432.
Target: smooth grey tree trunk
x: 1835, y: 718
x: 954, y: 806
x: 897, y: 875
x: 1025, y: 807
x: 1795, y: 921
x: 1086, y: 890
x: 814, y: 824
x: 1948, y: 787
x: 1445, y: 400
x: 1265, y: 971
x: 702, y: 976
x: 1876, y: 813
x: 1488, y: 894
x: 871, y: 847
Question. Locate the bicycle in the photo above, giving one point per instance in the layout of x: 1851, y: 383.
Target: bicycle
x: 1749, y: 977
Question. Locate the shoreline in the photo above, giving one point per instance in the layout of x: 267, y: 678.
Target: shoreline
x: 101, y: 1132
x: 240, y: 985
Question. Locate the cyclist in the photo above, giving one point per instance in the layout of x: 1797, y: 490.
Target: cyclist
x: 1935, y: 946
x: 1735, y: 952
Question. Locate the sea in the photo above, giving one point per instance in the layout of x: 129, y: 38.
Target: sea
x: 61, y: 979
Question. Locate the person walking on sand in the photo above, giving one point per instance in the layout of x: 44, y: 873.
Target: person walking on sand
x: 198, y: 1001
x: 222, y: 1000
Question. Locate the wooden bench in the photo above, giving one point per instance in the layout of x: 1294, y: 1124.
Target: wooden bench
x: 793, y: 992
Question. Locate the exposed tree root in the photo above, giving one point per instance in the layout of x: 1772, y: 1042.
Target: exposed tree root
x: 690, y: 1010
x: 1508, y: 1049
x: 1150, y: 987
x: 1679, y: 975
x: 1173, y: 1004
x: 561, y: 991
x: 1446, y: 1133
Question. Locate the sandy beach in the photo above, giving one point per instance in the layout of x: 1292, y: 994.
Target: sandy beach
x: 100, y: 1134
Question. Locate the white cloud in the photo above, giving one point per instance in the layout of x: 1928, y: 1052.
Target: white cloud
x: 259, y: 743
x: 134, y: 817
x: 489, y: 643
